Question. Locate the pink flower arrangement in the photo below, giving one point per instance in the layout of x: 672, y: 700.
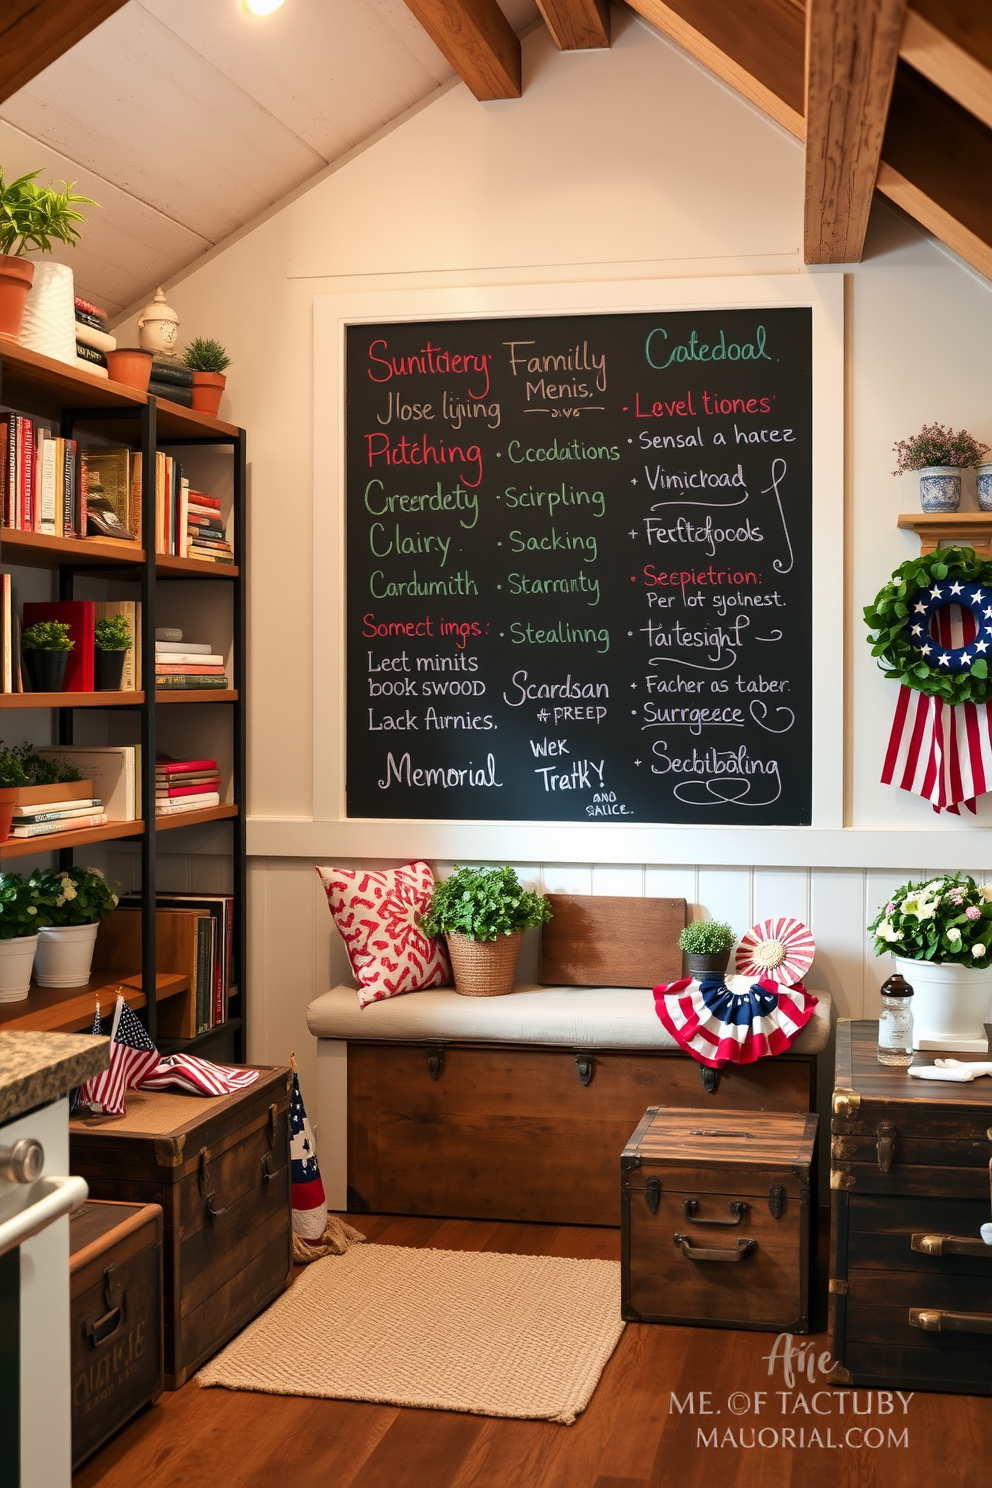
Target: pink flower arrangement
x: 935, y: 445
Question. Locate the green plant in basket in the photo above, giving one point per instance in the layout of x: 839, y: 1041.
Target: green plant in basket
x: 47, y: 635
x: 706, y: 938
x: 20, y: 908
x: 12, y: 772
x: 113, y: 633
x: 206, y: 355
x: 484, y: 903
x: 939, y: 919
x: 75, y: 896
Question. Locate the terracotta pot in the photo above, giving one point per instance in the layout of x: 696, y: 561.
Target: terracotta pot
x: 8, y: 800
x: 15, y: 282
x: 208, y: 389
x: 130, y: 366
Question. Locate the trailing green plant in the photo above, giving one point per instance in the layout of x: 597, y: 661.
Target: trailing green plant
x: 47, y: 635
x: 113, y: 633
x: 12, y: 772
x: 206, y: 355
x: 36, y: 216
x: 75, y: 896
x: 20, y: 912
x: 888, y: 618
x: 706, y: 938
x: 40, y: 770
x: 484, y: 903
x: 938, y: 919
x: 935, y: 445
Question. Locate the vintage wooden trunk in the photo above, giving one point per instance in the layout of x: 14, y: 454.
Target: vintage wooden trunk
x: 116, y: 1318
x: 717, y: 1219
x: 910, y: 1276
x: 219, y: 1166
x: 508, y: 1131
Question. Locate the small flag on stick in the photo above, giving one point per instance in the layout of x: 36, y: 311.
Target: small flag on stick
x: 309, y: 1203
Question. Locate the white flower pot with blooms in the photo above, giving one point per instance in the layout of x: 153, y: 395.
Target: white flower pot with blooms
x: 73, y: 902
x: 19, y: 915
x: 939, y: 933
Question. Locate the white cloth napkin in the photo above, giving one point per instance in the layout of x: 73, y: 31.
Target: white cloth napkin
x: 957, y: 1070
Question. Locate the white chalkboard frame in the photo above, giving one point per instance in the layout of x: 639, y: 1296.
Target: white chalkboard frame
x: 331, y: 830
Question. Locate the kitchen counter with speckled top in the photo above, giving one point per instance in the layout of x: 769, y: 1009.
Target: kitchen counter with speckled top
x: 36, y: 1068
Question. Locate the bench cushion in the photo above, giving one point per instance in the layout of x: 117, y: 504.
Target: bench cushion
x: 588, y: 1017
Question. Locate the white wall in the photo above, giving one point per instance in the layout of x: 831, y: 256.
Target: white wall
x: 638, y: 158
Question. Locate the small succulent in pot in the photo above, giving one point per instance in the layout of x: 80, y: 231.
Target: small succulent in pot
x: 46, y: 646
x: 707, y: 945
x: 112, y: 639
x: 208, y: 361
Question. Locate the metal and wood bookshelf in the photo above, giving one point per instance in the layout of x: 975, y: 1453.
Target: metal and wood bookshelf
x: 75, y: 401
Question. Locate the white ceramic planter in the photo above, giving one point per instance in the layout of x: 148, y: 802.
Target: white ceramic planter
x: 49, y: 323
x: 950, y: 1004
x: 16, y: 961
x: 64, y: 955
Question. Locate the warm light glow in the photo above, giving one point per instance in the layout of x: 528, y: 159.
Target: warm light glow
x: 262, y: 7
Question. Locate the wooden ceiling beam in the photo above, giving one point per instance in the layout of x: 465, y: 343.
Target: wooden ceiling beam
x: 35, y: 33
x: 852, y: 47
x: 577, y: 25
x: 966, y: 77
x: 478, y: 41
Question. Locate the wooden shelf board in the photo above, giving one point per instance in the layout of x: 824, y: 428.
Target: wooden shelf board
x: 67, y: 1009
x: 39, y: 550
x: 71, y: 699
x: 185, y: 1045
x: 974, y: 529
x: 24, y: 847
x: 196, y: 695
x: 167, y: 566
x: 40, y: 382
x: 194, y: 818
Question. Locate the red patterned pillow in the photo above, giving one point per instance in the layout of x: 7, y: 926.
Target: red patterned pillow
x: 377, y: 915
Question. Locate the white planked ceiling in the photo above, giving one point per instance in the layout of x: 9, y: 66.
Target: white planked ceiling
x: 185, y: 119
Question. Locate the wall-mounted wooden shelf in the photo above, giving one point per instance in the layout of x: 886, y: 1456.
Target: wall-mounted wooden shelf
x: 71, y: 699
x: 963, y: 529
x: 195, y: 695
x: 39, y: 550
x: 195, y: 818
x: 67, y: 1009
x: 169, y: 567
x: 25, y: 847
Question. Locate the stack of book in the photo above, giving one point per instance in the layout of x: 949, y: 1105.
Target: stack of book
x: 185, y: 785
x: 40, y: 488
x: 194, y: 935
x: 57, y: 816
x: 92, y: 339
x: 171, y: 379
x: 188, y: 665
x: 206, y: 534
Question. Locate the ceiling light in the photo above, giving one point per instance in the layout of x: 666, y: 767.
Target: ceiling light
x: 262, y: 7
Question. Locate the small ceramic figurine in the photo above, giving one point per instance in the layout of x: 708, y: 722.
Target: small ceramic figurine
x: 158, y: 327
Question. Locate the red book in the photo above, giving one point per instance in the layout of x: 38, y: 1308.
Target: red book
x: 190, y: 790
x: 173, y: 767
x: 27, y: 475
x: 80, y: 615
x: 197, y: 498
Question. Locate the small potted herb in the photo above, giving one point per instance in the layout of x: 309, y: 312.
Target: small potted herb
x: 939, y: 455
x: 707, y: 945
x: 208, y: 361
x: 73, y: 903
x: 46, y: 646
x: 112, y: 638
x: 31, y: 217
x: 483, y: 913
x: 12, y: 777
x: 20, y: 918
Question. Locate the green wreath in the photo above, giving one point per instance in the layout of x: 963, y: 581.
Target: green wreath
x: 889, y: 620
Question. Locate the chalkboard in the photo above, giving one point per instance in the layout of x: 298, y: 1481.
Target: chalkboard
x: 579, y: 568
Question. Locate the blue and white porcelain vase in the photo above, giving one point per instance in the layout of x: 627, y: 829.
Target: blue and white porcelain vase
x: 984, y: 483
x: 940, y: 488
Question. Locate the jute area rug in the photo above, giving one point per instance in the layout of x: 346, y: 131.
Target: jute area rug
x: 494, y: 1335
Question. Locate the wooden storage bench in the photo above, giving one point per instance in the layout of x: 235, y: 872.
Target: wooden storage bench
x: 516, y: 1107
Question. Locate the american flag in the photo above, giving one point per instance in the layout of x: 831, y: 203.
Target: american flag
x: 196, y: 1076
x: 132, y: 1056
x: 309, y: 1202
x: 939, y: 750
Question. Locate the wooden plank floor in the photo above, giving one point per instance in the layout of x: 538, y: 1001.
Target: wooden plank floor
x: 631, y: 1436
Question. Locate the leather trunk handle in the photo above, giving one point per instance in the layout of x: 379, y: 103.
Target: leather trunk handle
x: 738, y: 1252
x: 932, y: 1320
x: 956, y: 1245
x: 736, y: 1207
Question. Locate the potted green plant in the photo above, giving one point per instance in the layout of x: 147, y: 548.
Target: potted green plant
x: 12, y: 777
x: 112, y: 638
x: 73, y: 902
x: 939, y: 455
x: 483, y: 913
x: 939, y: 932
x: 207, y: 360
x: 46, y: 646
x: 31, y: 217
x: 707, y: 945
x: 20, y: 917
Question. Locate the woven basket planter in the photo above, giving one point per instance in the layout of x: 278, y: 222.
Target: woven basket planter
x: 484, y: 968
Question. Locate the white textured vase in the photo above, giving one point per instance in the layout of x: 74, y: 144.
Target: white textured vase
x: 16, y: 960
x: 49, y: 323
x: 64, y: 955
x: 950, y: 1004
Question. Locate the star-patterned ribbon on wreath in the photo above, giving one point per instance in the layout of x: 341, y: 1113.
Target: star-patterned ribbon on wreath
x: 933, y: 634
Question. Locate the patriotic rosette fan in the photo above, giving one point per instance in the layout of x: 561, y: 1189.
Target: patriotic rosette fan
x: 747, y: 1017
